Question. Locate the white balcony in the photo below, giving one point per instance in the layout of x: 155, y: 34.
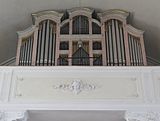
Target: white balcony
x: 124, y: 89
x: 80, y: 88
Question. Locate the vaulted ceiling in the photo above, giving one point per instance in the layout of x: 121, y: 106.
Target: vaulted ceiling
x: 15, y: 15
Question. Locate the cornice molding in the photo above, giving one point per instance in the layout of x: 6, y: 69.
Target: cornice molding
x: 42, y: 15
x: 114, y: 14
x: 134, y: 31
x: 85, y: 9
x: 115, y: 11
x: 27, y: 32
x: 13, y: 115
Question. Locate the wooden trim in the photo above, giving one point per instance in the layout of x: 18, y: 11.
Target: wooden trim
x: 34, y: 47
x: 90, y: 41
x: 70, y: 52
x: 143, y: 51
x: 82, y: 36
x: 18, y: 51
x: 90, y: 26
x: 128, y: 62
x: 43, y: 15
x: 70, y: 26
x: 70, y: 42
x: 96, y: 21
x: 114, y: 14
x: 27, y: 32
x: 133, y: 31
x: 80, y: 11
x: 104, y: 56
x: 57, y: 44
x: 64, y: 22
x: 91, y: 52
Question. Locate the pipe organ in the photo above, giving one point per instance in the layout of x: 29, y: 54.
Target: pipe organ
x: 81, y: 37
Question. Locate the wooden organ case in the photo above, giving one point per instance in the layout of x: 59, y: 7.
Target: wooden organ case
x: 81, y: 37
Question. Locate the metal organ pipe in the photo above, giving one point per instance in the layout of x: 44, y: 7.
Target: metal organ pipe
x: 49, y: 44
x: 115, y: 59
x: 38, y: 44
x: 135, y: 51
x: 111, y: 45
x: 118, y: 44
x: 54, y: 46
x: 43, y: 43
x: 121, y: 31
x: 46, y: 43
x: 115, y: 43
x: 26, y: 51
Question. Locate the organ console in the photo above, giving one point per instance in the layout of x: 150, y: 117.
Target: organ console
x: 81, y: 37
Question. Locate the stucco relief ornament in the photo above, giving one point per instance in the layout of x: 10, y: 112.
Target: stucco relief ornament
x: 13, y: 115
x: 77, y: 86
x: 142, y: 116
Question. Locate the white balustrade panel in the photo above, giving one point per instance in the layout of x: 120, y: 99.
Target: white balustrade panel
x: 97, y: 88
x: 156, y: 84
x: 75, y: 84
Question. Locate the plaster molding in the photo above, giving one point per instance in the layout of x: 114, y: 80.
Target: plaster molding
x: 13, y: 115
x: 77, y: 86
x: 142, y: 116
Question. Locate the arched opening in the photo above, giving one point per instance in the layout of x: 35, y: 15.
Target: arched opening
x: 80, y: 25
